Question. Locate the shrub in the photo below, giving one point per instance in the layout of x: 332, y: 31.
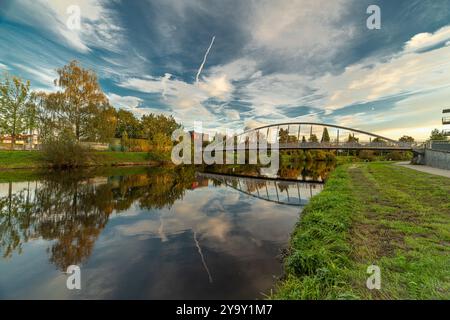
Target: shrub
x: 367, y: 155
x: 64, y: 151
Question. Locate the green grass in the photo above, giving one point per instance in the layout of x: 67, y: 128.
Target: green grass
x: 33, y: 159
x: 372, y: 213
x: 20, y: 159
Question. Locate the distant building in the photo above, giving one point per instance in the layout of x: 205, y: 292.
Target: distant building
x: 22, y: 140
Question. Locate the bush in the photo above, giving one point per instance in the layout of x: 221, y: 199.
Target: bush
x: 64, y: 151
x: 399, y: 155
x: 368, y: 155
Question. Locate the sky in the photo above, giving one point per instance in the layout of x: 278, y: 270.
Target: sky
x: 235, y: 64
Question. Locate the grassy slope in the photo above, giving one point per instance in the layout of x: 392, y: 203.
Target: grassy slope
x: 20, y: 159
x: 396, y: 218
x: 33, y: 159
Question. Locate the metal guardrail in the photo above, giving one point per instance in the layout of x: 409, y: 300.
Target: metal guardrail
x: 404, y: 146
x: 443, y: 145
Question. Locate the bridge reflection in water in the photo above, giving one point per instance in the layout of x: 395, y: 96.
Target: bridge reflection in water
x: 288, y: 192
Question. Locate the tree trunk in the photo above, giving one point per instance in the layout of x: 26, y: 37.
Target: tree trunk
x: 13, y: 141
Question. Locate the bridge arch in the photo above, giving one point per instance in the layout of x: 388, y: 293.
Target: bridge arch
x: 277, y: 125
x: 333, y: 144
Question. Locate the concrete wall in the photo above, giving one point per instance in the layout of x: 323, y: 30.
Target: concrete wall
x: 437, y: 159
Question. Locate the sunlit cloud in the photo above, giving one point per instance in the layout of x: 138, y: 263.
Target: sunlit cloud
x: 244, y: 61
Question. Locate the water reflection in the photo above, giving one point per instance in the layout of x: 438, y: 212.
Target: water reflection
x: 73, y: 209
x: 279, y: 191
x: 316, y: 171
x: 147, y: 233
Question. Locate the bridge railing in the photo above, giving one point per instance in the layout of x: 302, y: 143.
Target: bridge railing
x: 327, y: 145
x: 443, y: 145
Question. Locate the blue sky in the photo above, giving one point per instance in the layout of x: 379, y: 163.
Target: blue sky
x: 270, y: 61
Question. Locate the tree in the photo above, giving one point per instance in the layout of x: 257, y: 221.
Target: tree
x: 437, y: 135
x: 14, y: 99
x: 80, y: 99
x: 406, y: 139
x: 51, y: 120
x: 313, y: 138
x: 303, y: 139
x: 161, y: 142
x: 379, y: 141
x: 127, y: 122
x: 153, y: 124
x: 351, y: 138
x: 283, y: 135
x: 102, y: 126
x: 325, y: 135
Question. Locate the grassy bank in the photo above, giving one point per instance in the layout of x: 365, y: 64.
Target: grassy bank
x: 34, y: 159
x: 372, y: 213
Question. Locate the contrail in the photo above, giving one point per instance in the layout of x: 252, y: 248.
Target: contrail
x: 204, y: 59
x: 202, y: 257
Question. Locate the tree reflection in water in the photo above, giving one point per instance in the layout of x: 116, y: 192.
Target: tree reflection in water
x: 302, y: 170
x: 70, y: 209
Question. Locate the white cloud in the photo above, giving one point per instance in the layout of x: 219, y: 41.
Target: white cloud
x: 407, y: 72
x: 98, y: 28
x: 252, y: 124
x: 124, y: 102
x: 427, y: 40
x: 43, y: 75
x: 232, y: 115
x: 133, y: 104
x: 218, y: 87
x: 187, y: 100
x: 297, y: 32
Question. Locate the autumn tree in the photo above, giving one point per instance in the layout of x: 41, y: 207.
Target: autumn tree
x: 81, y: 99
x: 14, y: 106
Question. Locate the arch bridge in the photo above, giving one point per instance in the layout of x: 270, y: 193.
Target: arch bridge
x: 311, y: 135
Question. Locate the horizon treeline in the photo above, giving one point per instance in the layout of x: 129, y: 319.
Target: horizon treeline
x: 78, y: 108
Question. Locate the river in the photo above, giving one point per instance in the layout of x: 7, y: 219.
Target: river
x: 149, y: 233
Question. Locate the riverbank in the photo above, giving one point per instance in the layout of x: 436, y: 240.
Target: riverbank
x: 372, y: 213
x: 34, y: 159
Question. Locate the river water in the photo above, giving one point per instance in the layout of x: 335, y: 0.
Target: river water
x: 147, y: 233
